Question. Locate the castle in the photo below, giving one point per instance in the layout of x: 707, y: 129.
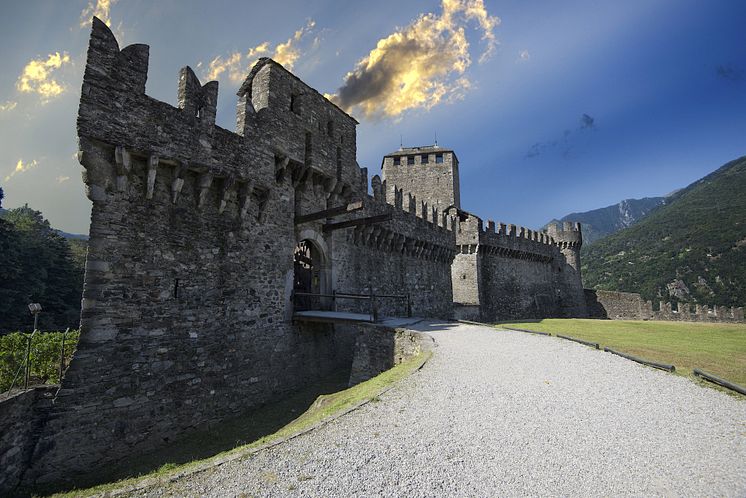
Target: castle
x: 206, y: 244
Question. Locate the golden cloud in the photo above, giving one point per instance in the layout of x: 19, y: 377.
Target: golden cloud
x: 37, y: 76
x: 237, y: 64
x: 98, y: 8
x: 288, y: 53
x: 21, y: 167
x: 62, y: 179
x: 8, y: 105
x: 420, y: 65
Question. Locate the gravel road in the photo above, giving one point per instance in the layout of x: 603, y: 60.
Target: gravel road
x: 499, y: 413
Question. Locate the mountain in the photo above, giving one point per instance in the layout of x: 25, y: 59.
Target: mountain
x: 690, y: 249
x: 599, y: 223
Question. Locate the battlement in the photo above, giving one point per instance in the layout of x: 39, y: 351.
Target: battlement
x: 570, y: 236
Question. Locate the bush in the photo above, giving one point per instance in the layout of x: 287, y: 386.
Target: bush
x: 44, y: 357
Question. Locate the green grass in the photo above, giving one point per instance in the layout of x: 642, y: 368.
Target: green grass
x: 719, y: 349
x: 325, y: 407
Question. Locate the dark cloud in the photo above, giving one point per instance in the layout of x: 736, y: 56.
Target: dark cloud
x: 729, y: 72
x: 565, y: 144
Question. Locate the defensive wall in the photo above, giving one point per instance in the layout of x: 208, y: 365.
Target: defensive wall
x: 503, y: 271
x: 631, y: 306
x: 187, y: 310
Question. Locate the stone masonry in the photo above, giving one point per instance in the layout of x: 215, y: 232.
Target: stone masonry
x: 187, y: 309
x: 500, y: 271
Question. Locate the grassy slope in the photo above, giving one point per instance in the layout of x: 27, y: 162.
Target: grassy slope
x: 700, y: 232
x: 324, y: 408
x: 719, y: 349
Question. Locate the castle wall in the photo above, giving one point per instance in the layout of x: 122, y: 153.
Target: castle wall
x: 517, y: 273
x: 630, y: 306
x: 186, y: 311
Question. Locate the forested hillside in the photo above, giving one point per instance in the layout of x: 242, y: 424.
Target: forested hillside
x: 38, y: 265
x: 693, y: 249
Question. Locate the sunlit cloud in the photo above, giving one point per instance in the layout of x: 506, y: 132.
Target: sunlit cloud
x: 288, y: 53
x: 62, y: 179
x: 8, y: 105
x: 420, y: 65
x: 21, y: 167
x: 236, y: 66
x: 98, y: 8
x: 524, y: 55
x: 38, y: 76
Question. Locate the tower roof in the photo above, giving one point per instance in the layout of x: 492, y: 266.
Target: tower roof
x: 422, y: 149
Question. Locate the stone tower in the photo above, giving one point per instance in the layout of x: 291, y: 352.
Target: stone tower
x: 429, y: 173
x: 569, y: 239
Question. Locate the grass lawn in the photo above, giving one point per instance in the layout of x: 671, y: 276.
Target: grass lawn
x: 719, y: 349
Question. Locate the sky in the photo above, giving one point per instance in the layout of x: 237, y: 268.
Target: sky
x: 552, y: 107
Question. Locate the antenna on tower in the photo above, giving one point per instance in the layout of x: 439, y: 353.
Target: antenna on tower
x: 436, y: 138
x: 401, y: 142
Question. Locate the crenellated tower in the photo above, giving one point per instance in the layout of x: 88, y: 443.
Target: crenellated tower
x: 428, y: 173
x: 569, y: 239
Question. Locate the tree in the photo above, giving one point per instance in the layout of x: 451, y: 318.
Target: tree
x: 36, y: 265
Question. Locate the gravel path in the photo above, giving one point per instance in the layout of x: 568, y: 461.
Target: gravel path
x: 506, y: 413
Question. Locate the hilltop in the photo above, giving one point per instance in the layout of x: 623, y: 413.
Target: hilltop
x: 691, y: 249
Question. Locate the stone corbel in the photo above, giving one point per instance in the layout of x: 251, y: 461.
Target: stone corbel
x: 245, y: 198
x: 178, y: 181
x: 203, y: 183
x: 123, y: 165
x: 226, y: 193
x: 152, y: 171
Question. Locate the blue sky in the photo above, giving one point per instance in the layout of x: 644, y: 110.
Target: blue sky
x: 552, y: 107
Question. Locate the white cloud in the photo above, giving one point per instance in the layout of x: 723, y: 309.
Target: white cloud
x: 420, y: 65
x: 524, y: 55
x: 62, y: 179
x: 38, y: 76
x: 21, y: 167
x: 8, y: 105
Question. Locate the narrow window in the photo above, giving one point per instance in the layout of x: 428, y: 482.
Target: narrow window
x: 339, y: 163
x: 424, y: 159
x: 294, y: 104
x: 397, y: 161
x: 176, y: 288
x: 330, y: 128
x: 439, y: 158
x: 410, y: 160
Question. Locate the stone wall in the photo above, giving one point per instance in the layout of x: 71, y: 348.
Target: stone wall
x: 514, y: 273
x: 630, y: 306
x: 186, y: 312
x: 21, y: 417
x: 379, y: 348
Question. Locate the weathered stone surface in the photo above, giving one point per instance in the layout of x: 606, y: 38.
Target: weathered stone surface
x: 21, y: 417
x: 190, y: 264
x: 631, y: 306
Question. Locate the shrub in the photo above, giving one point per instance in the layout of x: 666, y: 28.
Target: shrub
x: 44, y: 357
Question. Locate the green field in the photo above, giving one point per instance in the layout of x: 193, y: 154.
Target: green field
x: 719, y: 349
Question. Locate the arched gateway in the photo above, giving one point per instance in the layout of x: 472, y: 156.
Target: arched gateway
x: 311, y: 272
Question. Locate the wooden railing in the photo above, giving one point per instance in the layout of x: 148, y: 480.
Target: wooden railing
x: 301, y: 300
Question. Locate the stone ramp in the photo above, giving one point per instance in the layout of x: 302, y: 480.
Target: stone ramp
x: 505, y: 413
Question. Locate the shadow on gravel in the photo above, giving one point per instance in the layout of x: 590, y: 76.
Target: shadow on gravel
x: 226, y: 435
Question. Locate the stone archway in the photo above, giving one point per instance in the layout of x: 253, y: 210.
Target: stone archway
x: 311, y: 271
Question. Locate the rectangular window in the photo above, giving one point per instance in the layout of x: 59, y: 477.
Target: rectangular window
x: 439, y: 158
x: 410, y: 160
x: 424, y: 159
x: 397, y: 161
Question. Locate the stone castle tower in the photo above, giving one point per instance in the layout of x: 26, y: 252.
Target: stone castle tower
x: 429, y: 173
x: 501, y: 271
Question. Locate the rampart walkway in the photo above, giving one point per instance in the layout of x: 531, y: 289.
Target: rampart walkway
x: 505, y: 414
